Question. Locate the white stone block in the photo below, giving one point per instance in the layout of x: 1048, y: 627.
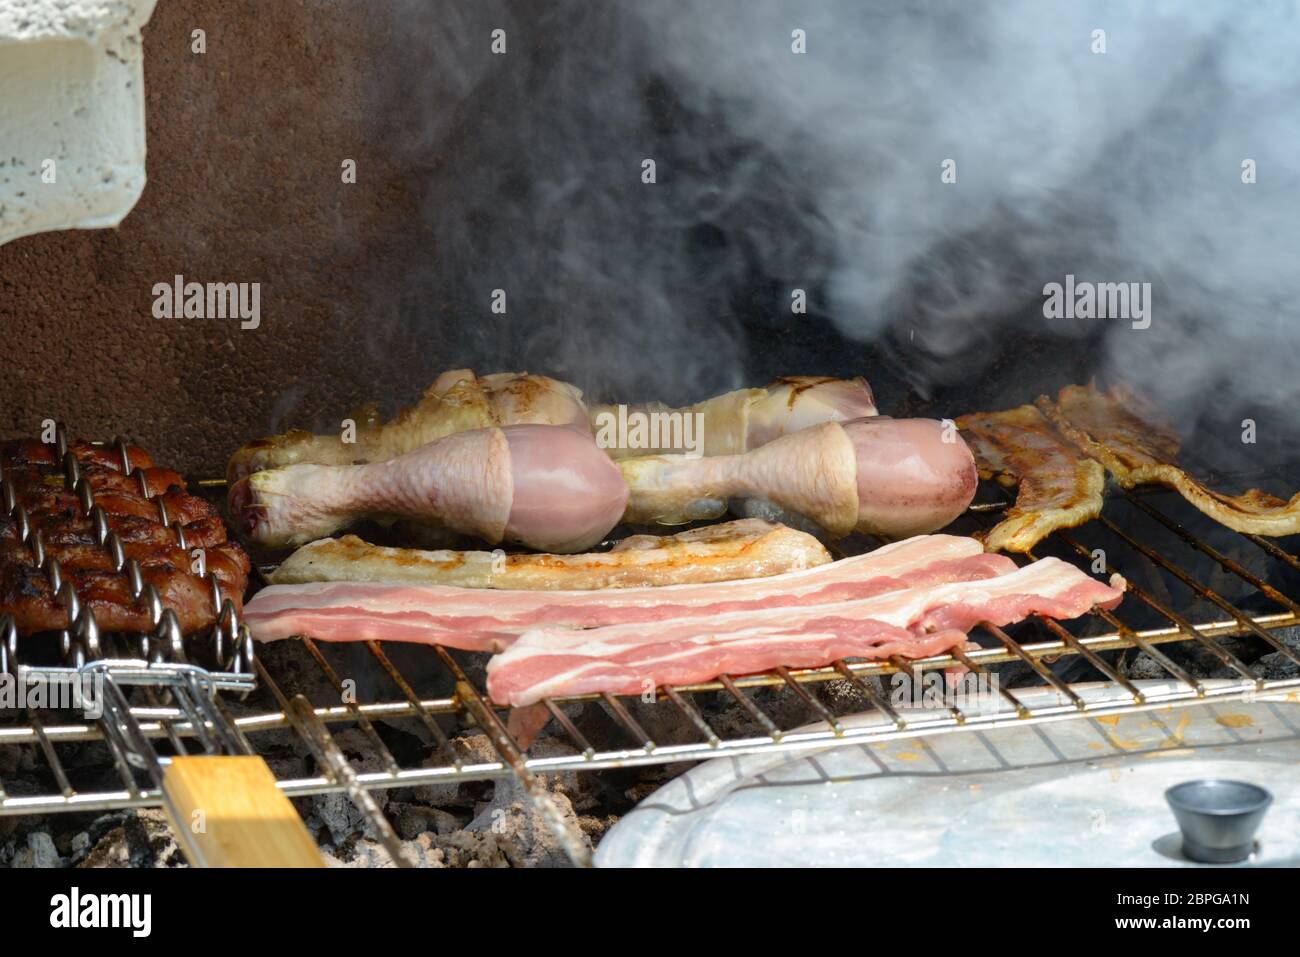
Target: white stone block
x: 72, y: 124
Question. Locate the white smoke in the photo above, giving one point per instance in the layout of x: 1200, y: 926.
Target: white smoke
x: 1118, y: 166
x: 822, y: 169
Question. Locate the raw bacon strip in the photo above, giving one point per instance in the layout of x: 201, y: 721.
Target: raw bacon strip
x: 914, y: 623
x: 478, y: 620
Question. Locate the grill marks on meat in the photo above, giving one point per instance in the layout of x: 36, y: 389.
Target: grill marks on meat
x: 457, y: 401
x: 227, y: 561
x: 25, y: 593
x: 460, y: 401
x: 72, y: 528
x: 69, y: 536
x: 38, y: 477
x: 46, y: 499
x: 32, y: 452
x: 477, y: 620
x: 1136, y: 445
x: 749, y: 548
x: 1059, y: 487
x: 916, y: 622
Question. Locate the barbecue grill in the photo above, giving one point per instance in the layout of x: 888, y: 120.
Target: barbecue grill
x: 183, y: 706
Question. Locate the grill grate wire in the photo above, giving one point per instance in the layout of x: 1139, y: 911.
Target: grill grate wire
x: 184, y: 708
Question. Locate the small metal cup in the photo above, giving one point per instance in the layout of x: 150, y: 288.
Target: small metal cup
x: 1218, y: 818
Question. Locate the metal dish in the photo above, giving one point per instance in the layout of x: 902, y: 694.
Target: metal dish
x: 1073, y: 794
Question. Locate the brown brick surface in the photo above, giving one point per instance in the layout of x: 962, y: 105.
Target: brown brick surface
x: 244, y: 150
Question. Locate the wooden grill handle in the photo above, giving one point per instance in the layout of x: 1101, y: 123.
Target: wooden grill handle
x: 228, y: 812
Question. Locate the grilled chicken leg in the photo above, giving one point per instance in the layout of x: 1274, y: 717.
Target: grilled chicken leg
x: 458, y: 401
x: 747, y: 418
x: 892, y: 477
x: 548, y: 487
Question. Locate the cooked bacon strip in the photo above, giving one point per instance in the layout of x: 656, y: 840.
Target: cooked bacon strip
x: 478, y: 620
x: 1058, y: 486
x: 1136, y: 445
x: 750, y: 548
x: 915, y: 623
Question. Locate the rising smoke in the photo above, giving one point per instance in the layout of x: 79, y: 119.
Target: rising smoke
x: 822, y: 170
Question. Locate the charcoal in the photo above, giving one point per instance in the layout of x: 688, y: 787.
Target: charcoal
x: 1276, y: 665
x: 39, y: 852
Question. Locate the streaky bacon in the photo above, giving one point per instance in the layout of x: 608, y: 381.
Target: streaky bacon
x: 477, y: 619
x: 915, y: 623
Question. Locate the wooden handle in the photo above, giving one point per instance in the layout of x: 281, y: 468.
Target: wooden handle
x: 229, y: 813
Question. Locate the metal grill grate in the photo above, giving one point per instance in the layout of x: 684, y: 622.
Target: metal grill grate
x: 1163, y: 552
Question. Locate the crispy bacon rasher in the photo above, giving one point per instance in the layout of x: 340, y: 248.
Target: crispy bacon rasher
x: 1058, y: 486
x: 1132, y: 439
